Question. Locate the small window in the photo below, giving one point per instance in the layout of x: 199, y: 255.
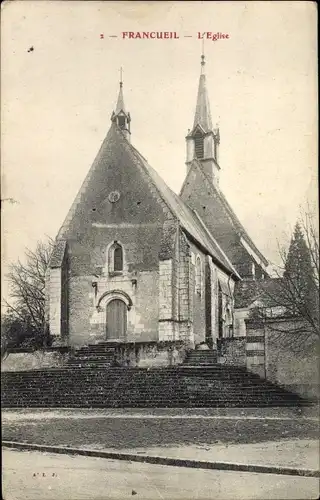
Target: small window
x: 116, y: 258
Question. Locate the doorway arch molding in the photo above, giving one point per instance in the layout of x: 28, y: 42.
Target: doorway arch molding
x: 114, y: 294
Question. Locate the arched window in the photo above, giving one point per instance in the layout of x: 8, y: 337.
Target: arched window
x: 199, y: 145
x: 198, y: 276
x: 116, y: 258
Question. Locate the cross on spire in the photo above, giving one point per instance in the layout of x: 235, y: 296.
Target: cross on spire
x: 120, y: 116
x: 202, y: 58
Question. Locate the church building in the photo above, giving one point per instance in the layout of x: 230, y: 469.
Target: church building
x: 136, y: 263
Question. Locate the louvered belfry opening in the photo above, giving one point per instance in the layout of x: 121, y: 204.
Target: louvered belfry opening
x: 122, y: 121
x: 199, y: 145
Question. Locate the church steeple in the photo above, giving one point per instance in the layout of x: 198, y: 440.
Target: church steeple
x: 120, y: 116
x: 203, y: 114
x: 203, y: 140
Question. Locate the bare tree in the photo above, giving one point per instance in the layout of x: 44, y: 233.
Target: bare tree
x: 310, y: 227
x: 294, y: 293
x: 26, y: 280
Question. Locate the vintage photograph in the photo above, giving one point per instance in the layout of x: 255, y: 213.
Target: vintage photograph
x: 160, y: 250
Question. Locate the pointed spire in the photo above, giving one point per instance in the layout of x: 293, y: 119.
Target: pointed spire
x: 120, y: 103
x: 203, y: 141
x: 120, y: 116
x: 203, y: 115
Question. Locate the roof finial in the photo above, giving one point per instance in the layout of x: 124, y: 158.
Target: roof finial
x: 202, y: 58
x: 121, y: 82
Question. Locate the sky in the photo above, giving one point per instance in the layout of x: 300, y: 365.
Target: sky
x: 60, y: 80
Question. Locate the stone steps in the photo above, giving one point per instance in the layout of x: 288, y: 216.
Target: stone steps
x: 103, y: 387
x: 93, y: 355
x: 201, y: 358
x: 108, y: 386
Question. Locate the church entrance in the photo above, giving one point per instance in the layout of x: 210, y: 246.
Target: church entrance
x: 116, y: 325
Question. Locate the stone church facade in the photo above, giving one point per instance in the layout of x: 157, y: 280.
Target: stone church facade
x: 135, y: 263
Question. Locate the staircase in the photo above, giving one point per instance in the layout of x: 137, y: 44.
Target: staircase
x: 201, y: 358
x: 101, y: 386
x: 93, y: 355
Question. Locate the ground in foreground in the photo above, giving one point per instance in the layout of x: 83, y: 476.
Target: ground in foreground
x: 132, y: 430
x: 42, y: 476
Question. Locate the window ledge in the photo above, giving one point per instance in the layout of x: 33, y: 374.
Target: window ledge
x: 115, y: 273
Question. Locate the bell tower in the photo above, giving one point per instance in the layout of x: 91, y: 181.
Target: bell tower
x: 203, y: 140
x: 120, y: 116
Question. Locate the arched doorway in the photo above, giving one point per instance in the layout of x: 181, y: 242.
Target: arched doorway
x: 116, y: 324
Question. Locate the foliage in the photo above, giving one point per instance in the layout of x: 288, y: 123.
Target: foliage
x: 299, y: 285
x: 18, y: 332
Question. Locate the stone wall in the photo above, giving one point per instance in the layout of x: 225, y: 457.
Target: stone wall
x: 185, y: 311
x: 156, y: 283
x: 232, y: 351
x: 151, y: 355
x: 166, y: 320
x: 88, y: 306
x: 80, y: 310
x: 226, y: 308
x: 255, y: 348
x: 140, y: 221
x: 292, y: 357
x: 240, y: 315
x: 182, y: 308
x: 198, y: 295
x: 286, y: 352
x: 37, y: 360
x: 55, y: 301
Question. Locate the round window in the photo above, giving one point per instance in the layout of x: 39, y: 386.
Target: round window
x: 114, y: 196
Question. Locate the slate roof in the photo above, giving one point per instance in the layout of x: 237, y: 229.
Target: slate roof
x: 240, y: 228
x: 187, y: 218
x: 267, y: 290
x: 57, y: 255
x: 219, y: 197
x: 120, y: 102
x: 203, y: 114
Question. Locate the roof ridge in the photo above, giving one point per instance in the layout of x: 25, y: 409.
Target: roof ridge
x: 152, y: 172
x: 137, y: 153
x: 176, y: 211
x: 77, y: 199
